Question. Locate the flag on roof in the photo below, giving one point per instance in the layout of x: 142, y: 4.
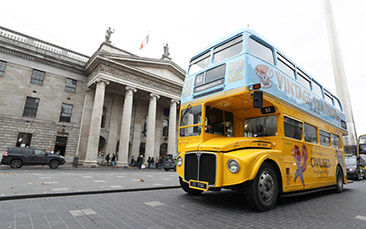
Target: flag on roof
x: 144, y: 42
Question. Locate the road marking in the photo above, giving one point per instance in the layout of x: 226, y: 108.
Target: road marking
x: 44, y: 177
x: 121, y: 176
x: 82, y: 212
x: 149, y: 176
x: 50, y: 182
x: 157, y: 184
x: 59, y: 189
x: 87, y: 177
x: 135, y: 179
x: 361, y: 217
x: 154, y: 203
x: 116, y: 186
x: 166, y: 179
x: 99, y: 181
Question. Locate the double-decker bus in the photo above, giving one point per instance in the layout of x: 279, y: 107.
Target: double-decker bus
x: 253, y: 120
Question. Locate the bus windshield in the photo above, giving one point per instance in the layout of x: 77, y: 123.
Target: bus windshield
x: 199, y: 63
x: 219, y: 122
x: 362, y: 144
x: 191, y: 116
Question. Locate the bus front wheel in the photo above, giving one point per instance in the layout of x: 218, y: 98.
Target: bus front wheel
x: 339, y: 177
x: 262, y: 192
x: 187, y: 189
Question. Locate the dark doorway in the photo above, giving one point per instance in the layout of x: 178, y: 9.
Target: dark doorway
x: 142, y: 149
x: 24, y: 140
x: 60, y: 146
x: 163, y: 149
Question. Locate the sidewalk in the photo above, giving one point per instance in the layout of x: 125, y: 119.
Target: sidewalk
x: 41, y: 181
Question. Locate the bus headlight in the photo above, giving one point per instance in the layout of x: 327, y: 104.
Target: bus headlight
x: 179, y: 161
x: 233, y: 166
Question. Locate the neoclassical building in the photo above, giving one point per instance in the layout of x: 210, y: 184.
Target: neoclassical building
x: 112, y: 102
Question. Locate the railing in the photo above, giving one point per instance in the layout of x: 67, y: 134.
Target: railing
x: 7, y: 33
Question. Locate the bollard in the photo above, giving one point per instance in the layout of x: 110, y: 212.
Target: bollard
x: 75, y: 162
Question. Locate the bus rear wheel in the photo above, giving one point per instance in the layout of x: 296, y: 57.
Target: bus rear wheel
x: 262, y: 192
x: 187, y: 189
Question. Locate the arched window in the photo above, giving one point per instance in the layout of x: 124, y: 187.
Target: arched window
x: 165, y: 127
x: 103, y: 117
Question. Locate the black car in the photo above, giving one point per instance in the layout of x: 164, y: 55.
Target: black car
x: 354, y: 168
x: 169, y: 162
x: 18, y: 156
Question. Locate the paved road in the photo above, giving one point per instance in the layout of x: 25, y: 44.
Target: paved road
x: 173, y: 208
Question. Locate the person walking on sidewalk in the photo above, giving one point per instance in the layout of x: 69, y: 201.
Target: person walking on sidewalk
x: 113, y: 160
x: 107, y: 159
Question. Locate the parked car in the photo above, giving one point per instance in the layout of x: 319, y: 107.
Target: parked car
x: 354, y: 168
x: 16, y: 157
x: 169, y: 162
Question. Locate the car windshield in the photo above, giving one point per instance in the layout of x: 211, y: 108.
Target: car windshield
x: 351, y: 161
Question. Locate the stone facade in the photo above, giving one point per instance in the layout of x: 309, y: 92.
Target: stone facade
x: 110, y: 106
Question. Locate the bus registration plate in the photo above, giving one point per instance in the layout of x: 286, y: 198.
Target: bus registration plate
x: 201, y: 185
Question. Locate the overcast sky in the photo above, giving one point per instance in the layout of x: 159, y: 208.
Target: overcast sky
x: 296, y: 27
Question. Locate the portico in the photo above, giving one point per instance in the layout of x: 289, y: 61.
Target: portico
x: 134, y: 98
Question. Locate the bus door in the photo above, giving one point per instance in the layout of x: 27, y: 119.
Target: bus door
x: 294, y: 155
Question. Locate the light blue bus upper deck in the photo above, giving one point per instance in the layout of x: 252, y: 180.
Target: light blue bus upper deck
x: 246, y: 58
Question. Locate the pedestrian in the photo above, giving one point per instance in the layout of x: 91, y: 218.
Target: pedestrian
x: 132, y: 163
x: 152, y: 161
x: 140, y: 161
x: 148, y: 162
x: 160, y: 162
x: 156, y: 163
x: 113, y: 160
x: 107, y: 159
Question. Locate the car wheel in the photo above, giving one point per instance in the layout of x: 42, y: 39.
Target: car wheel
x: 358, y: 176
x: 166, y: 169
x: 16, y: 164
x: 262, y: 192
x: 187, y: 189
x: 339, y: 177
x: 54, y: 164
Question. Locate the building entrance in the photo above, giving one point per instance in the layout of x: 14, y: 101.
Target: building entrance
x: 60, y: 146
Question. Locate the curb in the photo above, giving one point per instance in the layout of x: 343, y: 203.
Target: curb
x: 43, y: 195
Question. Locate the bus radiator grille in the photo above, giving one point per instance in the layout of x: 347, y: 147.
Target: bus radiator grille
x: 201, y: 168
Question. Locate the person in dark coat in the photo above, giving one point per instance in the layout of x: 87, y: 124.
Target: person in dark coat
x: 107, y: 159
x: 113, y: 160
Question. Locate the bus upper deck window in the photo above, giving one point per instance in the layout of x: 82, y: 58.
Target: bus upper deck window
x: 199, y: 63
x: 260, y: 50
x: 228, y: 49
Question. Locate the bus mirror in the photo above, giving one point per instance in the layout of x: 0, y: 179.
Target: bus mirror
x: 258, y: 99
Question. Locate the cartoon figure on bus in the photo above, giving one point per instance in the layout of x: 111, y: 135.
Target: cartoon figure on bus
x: 265, y: 75
x: 300, y: 158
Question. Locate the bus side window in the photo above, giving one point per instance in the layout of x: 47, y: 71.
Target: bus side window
x: 310, y: 133
x: 324, y: 138
x: 260, y: 50
x: 229, y: 124
x: 293, y: 128
x: 335, y: 141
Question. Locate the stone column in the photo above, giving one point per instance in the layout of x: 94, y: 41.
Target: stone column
x: 172, y: 147
x: 96, y: 118
x: 113, y: 126
x: 124, y: 141
x: 151, y: 120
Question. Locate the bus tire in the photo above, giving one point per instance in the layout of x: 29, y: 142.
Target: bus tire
x: 187, y: 189
x: 262, y: 192
x: 339, y: 177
